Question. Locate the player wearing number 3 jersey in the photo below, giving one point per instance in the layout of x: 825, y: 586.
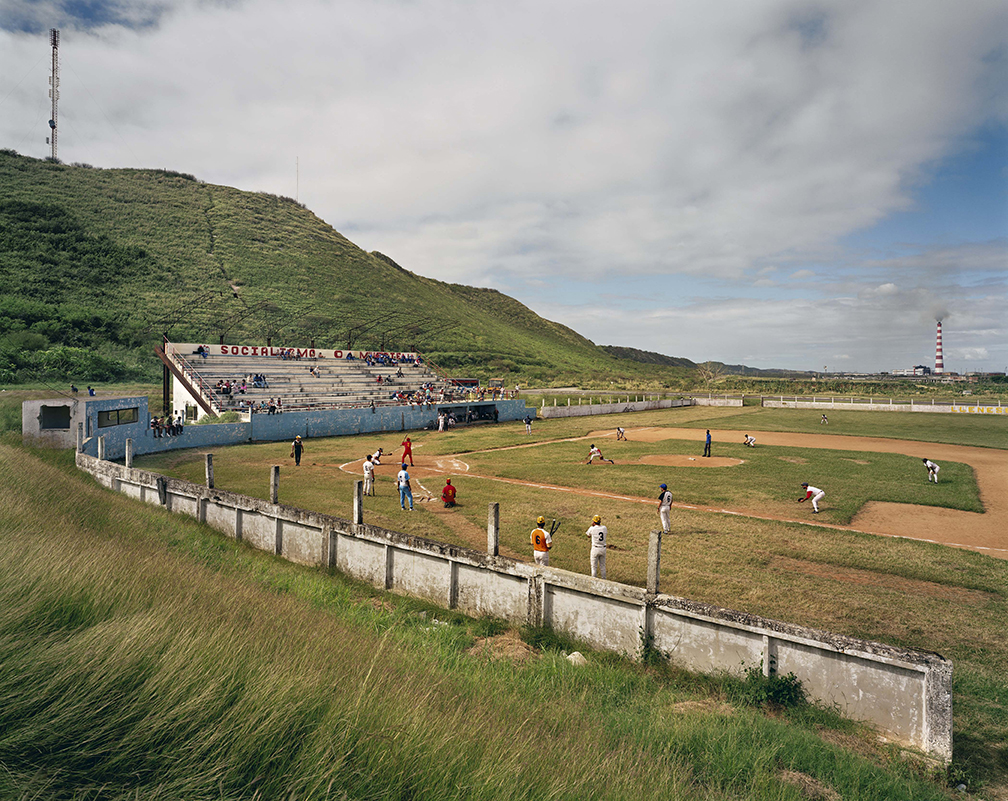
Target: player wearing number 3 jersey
x: 598, y: 535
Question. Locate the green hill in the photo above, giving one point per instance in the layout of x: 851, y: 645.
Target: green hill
x: 96, y: 264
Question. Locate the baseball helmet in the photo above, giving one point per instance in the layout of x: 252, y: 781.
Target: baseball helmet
x: 804, y: 483
x: 596, y: 520
x: 540, y: 521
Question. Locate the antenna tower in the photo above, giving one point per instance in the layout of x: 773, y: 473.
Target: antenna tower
x: 54, y: 86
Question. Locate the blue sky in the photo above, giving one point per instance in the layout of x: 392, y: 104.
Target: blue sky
x: 783, y: 184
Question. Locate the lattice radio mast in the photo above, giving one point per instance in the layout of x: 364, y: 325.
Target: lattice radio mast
x: 54, y: 87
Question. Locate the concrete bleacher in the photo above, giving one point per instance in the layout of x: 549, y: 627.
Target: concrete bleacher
x: 339, y: 382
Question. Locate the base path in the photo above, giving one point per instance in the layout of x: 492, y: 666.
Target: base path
x: 987, y: 532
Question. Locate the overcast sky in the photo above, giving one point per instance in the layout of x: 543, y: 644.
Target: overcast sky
x: 782, y: 184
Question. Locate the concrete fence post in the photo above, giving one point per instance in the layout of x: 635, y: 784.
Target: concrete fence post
x: 358, y: 502
x: 80, y: 438
x: 493, y: 529
x: 129, y: 453
x: 654, y: 561
x: 209, y: 470
x: 275, y: 484
x: 101, y: 449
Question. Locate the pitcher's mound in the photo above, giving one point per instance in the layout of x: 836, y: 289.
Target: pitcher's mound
x: 680, y: 460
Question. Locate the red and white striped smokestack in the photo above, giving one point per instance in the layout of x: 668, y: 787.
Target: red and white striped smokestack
x: 939, y: 363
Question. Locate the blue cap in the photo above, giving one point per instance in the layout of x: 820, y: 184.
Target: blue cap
x: 404, y: 467
x: 663, y: 486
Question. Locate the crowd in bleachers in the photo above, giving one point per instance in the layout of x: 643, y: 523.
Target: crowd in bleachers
x: 239, y: 383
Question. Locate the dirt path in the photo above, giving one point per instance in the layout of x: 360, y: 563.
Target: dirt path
x: 986, y: 533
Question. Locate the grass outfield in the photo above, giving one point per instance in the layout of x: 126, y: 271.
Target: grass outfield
x: 978, y: 430
x: 144, y: 656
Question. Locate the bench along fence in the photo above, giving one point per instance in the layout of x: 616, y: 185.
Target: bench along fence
x: 904, y: 692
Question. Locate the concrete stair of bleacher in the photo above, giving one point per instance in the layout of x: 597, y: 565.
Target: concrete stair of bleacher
x: 340, y: 382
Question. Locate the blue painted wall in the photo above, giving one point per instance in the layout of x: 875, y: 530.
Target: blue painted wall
x: 273, y: 427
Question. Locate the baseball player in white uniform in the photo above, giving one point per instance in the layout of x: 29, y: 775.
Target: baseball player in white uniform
x: 750, y: 441
x: 665, y: 508
x: 815, y: 494
x: 932, y: 470
x: 597, y: 533
x: 596, y: 452
x: 368, y: 476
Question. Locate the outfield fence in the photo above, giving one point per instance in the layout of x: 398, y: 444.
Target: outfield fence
x: 880, y: 405
x: 904, y: 692
x: 613, y: 407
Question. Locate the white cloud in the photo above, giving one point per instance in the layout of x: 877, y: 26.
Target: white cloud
x: 500, y: 143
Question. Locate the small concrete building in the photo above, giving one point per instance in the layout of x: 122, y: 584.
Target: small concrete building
x: 54, y: 422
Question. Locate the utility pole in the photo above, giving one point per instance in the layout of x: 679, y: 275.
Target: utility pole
x: 54, y: 87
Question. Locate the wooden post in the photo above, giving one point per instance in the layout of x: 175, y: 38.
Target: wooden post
x: 275, y: 484
x: 358, y: 502
x: 209, y: 471
x: 493, y: 529
x: 654, y: 561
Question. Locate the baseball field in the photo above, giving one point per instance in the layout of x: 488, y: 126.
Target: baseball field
x: 139, y: 639
x: 891, y: 557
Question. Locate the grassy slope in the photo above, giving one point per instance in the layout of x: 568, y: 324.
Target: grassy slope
x: 181, y: 238
x: 144, y: 656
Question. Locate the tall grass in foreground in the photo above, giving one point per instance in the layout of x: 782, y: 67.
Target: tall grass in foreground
x: 143, y: 656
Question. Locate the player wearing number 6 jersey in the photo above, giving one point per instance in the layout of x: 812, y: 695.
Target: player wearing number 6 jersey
x: 542, y: 541
x: 598, y: 535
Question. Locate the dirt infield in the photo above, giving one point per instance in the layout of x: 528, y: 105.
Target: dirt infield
x: 987, y: 533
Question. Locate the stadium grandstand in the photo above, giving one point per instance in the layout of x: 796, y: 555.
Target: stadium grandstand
x: 213, y: 379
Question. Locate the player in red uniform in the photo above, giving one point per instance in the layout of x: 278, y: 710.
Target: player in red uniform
x: 448, y: 494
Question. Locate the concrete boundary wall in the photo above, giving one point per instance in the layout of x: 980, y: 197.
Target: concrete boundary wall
x: 888, y: 406
x: 712, y: 400
x: 589, y: 409
x: 905, y: 693
x: 258, y: 428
